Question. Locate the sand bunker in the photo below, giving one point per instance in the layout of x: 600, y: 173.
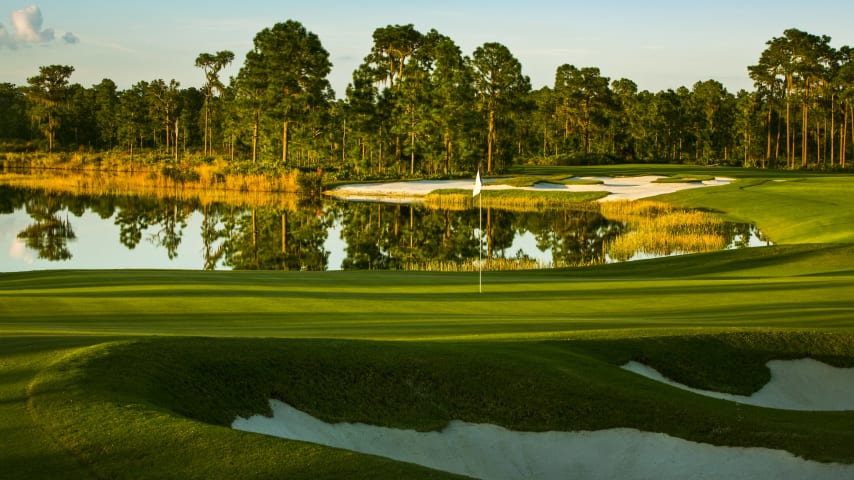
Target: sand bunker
x: 804, y: 384
x: 492, y: 452
x: 620, y: 188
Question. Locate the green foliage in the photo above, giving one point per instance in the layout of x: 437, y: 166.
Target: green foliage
x: 310, y: 183
x: 418, y: 106
x: 180, y: 174
x: 579, y: 159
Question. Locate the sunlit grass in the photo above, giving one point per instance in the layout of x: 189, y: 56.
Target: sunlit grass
x: 249, y: 190
x: 487, y: 264
x: 510, y: 199
x: 659, y: 229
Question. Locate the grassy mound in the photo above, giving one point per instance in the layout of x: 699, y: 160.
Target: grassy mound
x: 162, y: 406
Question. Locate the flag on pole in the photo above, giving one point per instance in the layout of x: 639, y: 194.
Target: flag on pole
x: 478, y: 184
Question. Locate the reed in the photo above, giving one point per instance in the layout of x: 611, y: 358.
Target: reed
x: 491, y: 265
x: 510, y: 199
x: 473, y: 265
x: 153, y: 171
x: 208, y: 181
x: 140, y: 184
x: 657, y: 228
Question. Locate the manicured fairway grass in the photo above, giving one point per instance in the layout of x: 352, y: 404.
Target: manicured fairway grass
x: 137, y: 374
x: 739, y: 288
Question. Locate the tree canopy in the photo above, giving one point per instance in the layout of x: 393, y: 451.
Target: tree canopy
x: 418, y: 106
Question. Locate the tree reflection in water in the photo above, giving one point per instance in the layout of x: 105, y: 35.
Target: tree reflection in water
x: 374, y: 236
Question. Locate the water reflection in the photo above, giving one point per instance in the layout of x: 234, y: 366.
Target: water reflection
x: 52, y: 230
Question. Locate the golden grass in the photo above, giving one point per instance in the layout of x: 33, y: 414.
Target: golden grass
x: 660, y: 229
x: 142, y: 184
x: 473, y: 265
x: 511, y: 200
x: 94, y: 175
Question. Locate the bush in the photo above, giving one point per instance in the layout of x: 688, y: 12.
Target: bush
x: 310, y: 183
x: 578, y: 159
x: 180, y: 175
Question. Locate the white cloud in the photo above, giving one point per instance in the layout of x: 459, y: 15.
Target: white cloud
x: 27, y: 28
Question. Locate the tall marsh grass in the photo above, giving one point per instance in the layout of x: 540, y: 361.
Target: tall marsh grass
x: 208, y: 181
x: 510, y: 199
x: 657, y: 228
x: 489, y: 265
x: 143, y: 184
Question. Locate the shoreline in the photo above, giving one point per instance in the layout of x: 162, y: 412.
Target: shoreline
x: 618, y: 188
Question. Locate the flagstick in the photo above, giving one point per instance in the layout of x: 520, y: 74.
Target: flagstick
x: 478, y: 184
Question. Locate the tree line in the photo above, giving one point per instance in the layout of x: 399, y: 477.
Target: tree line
x: 418, y: 106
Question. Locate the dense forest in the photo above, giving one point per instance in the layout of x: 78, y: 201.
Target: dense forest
x: 418, y: 106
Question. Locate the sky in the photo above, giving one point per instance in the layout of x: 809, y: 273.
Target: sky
x: 658, y: 44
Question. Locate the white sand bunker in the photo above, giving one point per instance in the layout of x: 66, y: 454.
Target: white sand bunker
x: 619, y: 188
x: 804, y: 384
x: 492, y: 452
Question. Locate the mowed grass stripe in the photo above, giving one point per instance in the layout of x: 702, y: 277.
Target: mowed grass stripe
x: 336, y: 309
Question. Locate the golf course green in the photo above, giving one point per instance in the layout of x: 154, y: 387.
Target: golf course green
x: 140, y: 373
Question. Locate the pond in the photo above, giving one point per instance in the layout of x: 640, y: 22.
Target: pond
x: 40, y: 230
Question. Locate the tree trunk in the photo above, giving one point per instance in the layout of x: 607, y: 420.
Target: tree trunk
x: 851, y: 128
x: 747, y: 147
x: 176, y: 141
x: 489, y: 239
x: 768, y: 128
x: 205, y: 139
x: 449, y: 156
x: 285, y: 142
x: 832, y: 130
x: 168, y: 133
x: 490, y: 140
x: 284, y: 233
x: 255, y: 139
x: 412, y: 143
x: 398, y: 153
x: 843, y: 135
x: 790, y: 158
x: 805, y: 133
x: 50, y: 132
x: 777, y: 143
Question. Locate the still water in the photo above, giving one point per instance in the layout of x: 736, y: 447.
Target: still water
x: 39, y: 230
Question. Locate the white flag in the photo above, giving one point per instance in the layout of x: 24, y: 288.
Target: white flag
x: 478, y: 184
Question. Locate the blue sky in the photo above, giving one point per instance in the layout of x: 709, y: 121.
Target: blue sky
x: 659, y: 44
